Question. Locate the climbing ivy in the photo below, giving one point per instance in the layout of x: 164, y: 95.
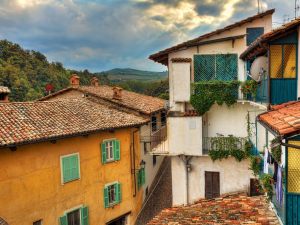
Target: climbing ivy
x: 255, y: 164
x: 223, y: 147
x: 206, y: 93
x: 276, y: 149
x: 249, y: 87
x: 267, y: 183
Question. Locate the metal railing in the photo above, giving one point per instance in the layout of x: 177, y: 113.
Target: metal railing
x: 155, y: 138
x: 223, y: 143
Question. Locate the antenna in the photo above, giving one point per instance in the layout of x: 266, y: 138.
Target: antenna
x: 297, y: 7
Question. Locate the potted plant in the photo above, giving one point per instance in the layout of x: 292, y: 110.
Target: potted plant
x: 249, y: 87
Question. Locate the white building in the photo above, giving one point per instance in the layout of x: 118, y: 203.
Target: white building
x: 194, y: 174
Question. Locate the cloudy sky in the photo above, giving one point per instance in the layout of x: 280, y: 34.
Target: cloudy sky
x: 104, y: 34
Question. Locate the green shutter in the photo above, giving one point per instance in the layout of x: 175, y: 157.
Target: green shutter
x: 84, y: 216
x: 139, y: 179
x: 226, y: 67
x: 66, y: 169
x: 63, y: 220
x: 204, y: 67
x: 143, y: 176
x: 103, y: 151
x: 75, y: 167
x: 70, y: 167
x: 118, y: 192
x: 116, y: 149
x: 106, y: 202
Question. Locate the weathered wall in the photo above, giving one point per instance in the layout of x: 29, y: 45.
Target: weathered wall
x: 30, y: 180
x: 185, y: 135
x: 234, y: 177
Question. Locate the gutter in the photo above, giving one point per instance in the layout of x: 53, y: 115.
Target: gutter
x: 186, y: 160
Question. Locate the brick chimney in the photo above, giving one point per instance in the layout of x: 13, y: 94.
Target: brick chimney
x: 4, y: 92
x: 95, y: 82
x: 74, y: 81
x: 117, y: 93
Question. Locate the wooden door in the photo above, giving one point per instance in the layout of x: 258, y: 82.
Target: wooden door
x: 212, y: 184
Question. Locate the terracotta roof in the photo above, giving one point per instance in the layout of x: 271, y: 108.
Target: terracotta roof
x: 2, y: 222
x: 162, y: 56
x: 234, y: 209
x: 259, y: 46
x: 138, y: 102
x: 4, y: 89
x: 28, y: 122
x: 284, y: 119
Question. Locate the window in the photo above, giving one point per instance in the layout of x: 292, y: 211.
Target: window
x: 163, y: 119
x: 38, y: 222
x: 283, y: 61
x: 110, y: 151
x: 222, y: 67
x: 253, y: 33
x: 153, y: 123
x: 154, y: 160
x: 112, y: 194
x: 70, y: 167
x: 141, y: 179
x: 147, y: 191
x: 75, y: 217
x: 145, y: 148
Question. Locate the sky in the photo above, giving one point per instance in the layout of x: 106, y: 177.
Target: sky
x: 100, y: 35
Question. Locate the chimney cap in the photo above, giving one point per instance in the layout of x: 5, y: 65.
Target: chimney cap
x: 117, y: 93
x: 95, y: 81
x: 74, y: 80
x: 4, y: 90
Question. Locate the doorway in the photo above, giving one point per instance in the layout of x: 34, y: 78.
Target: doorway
x: 212, y: 185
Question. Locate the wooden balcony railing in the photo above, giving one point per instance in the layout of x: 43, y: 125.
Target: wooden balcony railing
x: 155, y: 138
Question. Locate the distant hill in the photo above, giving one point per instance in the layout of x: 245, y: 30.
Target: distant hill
x: 118, y: 75
x: 27, y: 72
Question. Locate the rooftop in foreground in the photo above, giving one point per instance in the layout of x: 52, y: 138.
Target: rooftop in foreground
x: 232, y: 209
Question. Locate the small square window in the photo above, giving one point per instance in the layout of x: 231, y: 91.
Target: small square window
x: 38, y: 222
x: 154, y: 160
x: 153, y: 123
x: 163, y: 119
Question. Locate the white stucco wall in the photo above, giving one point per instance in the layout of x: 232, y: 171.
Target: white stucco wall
x: 182, y: 84
x: 228, y: 120
x: 234, y: 177
x: 216, y: 48
x: 185, y: 135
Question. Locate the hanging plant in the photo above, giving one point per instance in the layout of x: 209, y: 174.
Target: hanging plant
x: 249, y: 87
x: 276, y: 149
x: 267, y: 183
x: 206, y: 93
x: 255, y: 164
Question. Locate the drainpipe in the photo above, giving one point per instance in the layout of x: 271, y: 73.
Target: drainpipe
x: 133, y: 161
x: 186, y: 160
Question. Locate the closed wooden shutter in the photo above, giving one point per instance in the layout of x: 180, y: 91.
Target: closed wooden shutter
x: 118, y: 192
x: 63, y: 220
x: 117, y: 150
x: 143, y: 176
x: 70, y: 167
x: 84, y: 216
x: 103, y: 153
x: 253, y: 33
x: 105, y: 197
x: 226, y: 67
x: 215, y: 185
x: 212, y: 185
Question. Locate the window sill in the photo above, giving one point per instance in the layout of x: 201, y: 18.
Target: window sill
x: 65, y: 182
x: 111, y: 161
x: 112, y: 205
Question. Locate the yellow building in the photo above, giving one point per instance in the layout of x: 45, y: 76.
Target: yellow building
x: 69, y: 162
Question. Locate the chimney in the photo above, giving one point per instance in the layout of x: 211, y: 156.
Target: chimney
x: 4, y: 92
x: 74, y: 81
x: 117, y: 93
x: 95, y: 82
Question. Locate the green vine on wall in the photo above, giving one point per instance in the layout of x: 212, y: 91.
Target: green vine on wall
x: 223, y: 147
x: 206, y: 93
x: 276, y: 149
x: 267, y: 183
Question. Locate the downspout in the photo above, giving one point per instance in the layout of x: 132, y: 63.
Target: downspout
x: 186, y: 160
x: 133, y: 161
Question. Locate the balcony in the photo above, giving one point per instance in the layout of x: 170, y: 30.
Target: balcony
x: 223, y: 143
x: 155, y: 141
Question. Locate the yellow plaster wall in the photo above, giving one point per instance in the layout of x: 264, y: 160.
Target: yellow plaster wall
x: 30, y: 180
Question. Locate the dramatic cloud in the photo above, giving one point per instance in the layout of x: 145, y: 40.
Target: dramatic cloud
x: 103, y: 34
